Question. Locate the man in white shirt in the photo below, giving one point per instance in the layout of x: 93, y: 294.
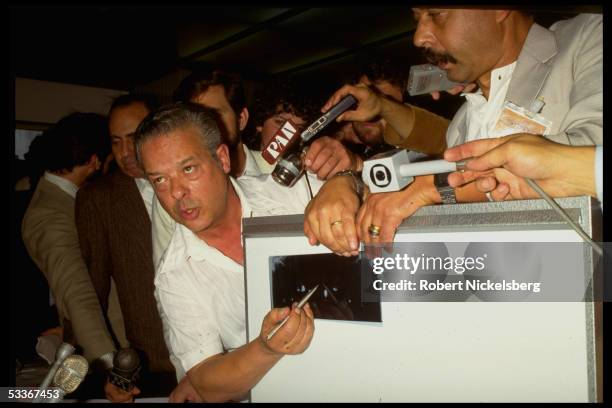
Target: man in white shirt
x: 199, y: 283
x: 555, y: 72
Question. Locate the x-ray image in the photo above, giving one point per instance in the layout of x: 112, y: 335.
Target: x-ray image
x: 338, y: 296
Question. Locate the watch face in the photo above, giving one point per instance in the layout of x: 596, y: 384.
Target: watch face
x: 441, y: 180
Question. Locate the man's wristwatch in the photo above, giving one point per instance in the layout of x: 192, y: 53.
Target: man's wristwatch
x: 358, y: 183
x: 447, y: 193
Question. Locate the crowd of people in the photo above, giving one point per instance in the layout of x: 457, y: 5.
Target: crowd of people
x: 149, y: 255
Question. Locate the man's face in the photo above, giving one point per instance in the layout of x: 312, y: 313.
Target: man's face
x: 274, y: 122
x: 466, y: 43
x: 189, y: 183
x: 371, y: 133
x: 214, y: 97
x: 122, y: 124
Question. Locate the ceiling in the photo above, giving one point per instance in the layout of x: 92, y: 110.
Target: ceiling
x: 127, y: 47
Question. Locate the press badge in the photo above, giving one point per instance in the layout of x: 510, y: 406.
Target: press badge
x: 516, y: 119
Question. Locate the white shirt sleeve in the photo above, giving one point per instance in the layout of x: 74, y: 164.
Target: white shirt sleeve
x: 190, y: 333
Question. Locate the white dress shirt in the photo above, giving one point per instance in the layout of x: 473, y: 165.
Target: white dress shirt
x: 146, y: 192
x: 482, y: 113
x: 200, y: 291
x: 250, y: 165
x: 64, y: 184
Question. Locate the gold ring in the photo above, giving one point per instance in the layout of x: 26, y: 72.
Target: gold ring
x: 336, y: 223
x: 374, y: 230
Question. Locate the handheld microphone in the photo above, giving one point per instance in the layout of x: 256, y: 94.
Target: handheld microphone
x: 69, y: 376
x: 284, y: 138
x: 63, y: 352
x: 394, y: 170
x: 126, y: 368
x: 291, y: 164
x: 327, y: 118
x: 427, y: 78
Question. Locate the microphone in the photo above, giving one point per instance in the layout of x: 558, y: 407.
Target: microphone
x: 63, y: 352
x: 427, y: 78
x: 126, y: 368
x: 284, y: 138
x: 290, y: 164
x: 69, y: 376
x: 394, y: 170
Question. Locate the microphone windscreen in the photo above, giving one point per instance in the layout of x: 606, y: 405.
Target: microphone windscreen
x: 71, y: 373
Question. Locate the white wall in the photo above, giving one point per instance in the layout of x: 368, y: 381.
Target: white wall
x: 47, y: 102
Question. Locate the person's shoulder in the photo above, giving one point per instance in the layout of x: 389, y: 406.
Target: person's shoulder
x: 580, y: 23
x: 99, y: 186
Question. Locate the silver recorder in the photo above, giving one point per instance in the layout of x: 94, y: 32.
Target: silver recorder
x: 427, y: 78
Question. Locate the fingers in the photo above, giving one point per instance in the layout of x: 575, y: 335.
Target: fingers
x: 335, y: 98
x: 469, y: 87
x: 116, y: 394
x: 472, y: 149
x: 501, y: 192
x: 435, y: 95
x: 486, y: 184
x: 345, y: 236
x: 457, y: 179
x: 326, y: 157
x: 456, y: 89
x: 312, y: 239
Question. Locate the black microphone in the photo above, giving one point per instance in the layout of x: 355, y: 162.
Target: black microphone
x: 290, y: 165
x: 126, y: 369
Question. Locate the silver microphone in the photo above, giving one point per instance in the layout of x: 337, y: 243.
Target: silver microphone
x: 69, y: 376
x: 63, y: 352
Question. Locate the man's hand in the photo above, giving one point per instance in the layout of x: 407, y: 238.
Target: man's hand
x: 499, y: 165
x: 454, y: 90
x: 330, y: 217
x: 295, y: 335
x: 369, y: 103
x: 327, y: 156
x: 388, y: 210
x: 184, y: 392
x: 116, y: 394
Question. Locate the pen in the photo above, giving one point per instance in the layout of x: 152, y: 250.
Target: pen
x: 302, y: 303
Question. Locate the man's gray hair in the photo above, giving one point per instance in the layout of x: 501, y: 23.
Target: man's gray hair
x: 180, y: 115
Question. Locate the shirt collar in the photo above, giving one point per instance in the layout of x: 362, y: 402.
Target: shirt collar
x: 250, y: 164
x: 499, y: 77
x: 64, y: 184
x: 141, y: 183
x: 198, y: 249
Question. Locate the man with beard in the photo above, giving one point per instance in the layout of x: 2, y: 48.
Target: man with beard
x: 556, y: 73
x: 113, y: 221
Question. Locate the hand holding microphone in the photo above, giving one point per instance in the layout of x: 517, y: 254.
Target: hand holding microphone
x: 289, y: 148
x: 394, y: 170
x: 121, y: 385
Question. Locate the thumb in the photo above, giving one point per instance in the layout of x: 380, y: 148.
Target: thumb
x: 278, y: 314
x: 135, y: 390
